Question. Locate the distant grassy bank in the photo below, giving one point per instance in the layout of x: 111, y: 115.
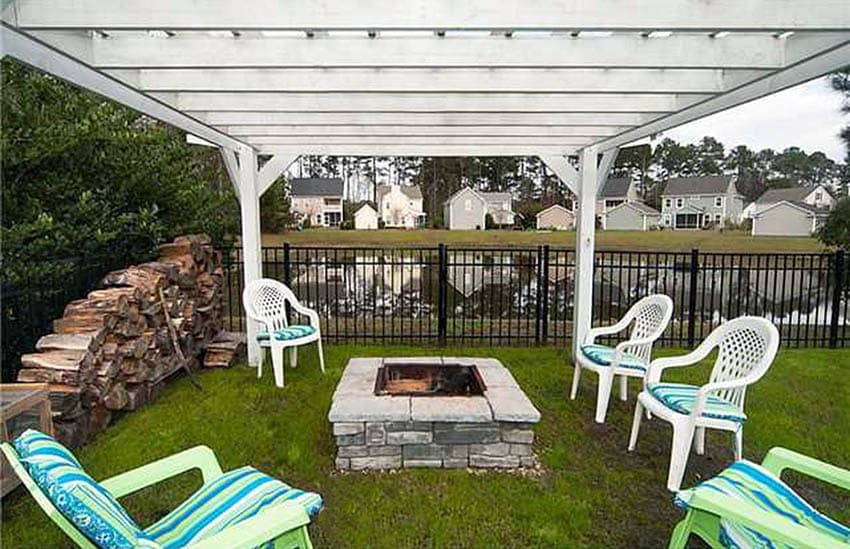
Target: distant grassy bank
x: 707, y: 241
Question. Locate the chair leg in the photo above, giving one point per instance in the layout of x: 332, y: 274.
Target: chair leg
x: 603, y: 395
x: 277, y: 365
x: 739, y: 443
x: 295, y: 357
x: 624, y: 388
x: 699, y: 440
x: 260, y: 362
x: 683, y: 436
x: 321, y: 355
x: 576, y: 378
x: 636, y: 425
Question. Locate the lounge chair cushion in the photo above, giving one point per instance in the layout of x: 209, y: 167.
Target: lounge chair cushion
x: 289, y: 333
x: 84, y: 502
x: 759, y: 487
x: 231, y: 498
x: 680, y: 398
x: 604, y: 355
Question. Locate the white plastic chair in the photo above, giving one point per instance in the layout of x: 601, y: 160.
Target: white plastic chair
x: 746, y: 347
x: 265, y: 302
x: 630, y: 358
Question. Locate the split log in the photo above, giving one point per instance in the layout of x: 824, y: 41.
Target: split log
x: 84, y: 323
x: 117, y: 398
x: 65, y: 400
x: 85, y: 341
x: 137, y: 396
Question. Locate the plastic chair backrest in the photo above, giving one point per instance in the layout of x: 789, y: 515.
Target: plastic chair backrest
x: 649, y: 318
x: 265, y: 300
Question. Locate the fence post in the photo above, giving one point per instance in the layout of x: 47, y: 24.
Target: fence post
x: 692, y: 297
x: 442, y: 303
x: 287, y: 278
x: 544, y: 290
x: 538, y: 308
x: 838, y: 289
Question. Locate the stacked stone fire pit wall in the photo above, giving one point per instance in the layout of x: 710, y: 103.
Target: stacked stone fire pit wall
x: 389, y: 432
x: 113, y: 350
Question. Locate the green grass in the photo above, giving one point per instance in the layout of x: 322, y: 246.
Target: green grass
x: 708, y: 241
x: 591, y: 493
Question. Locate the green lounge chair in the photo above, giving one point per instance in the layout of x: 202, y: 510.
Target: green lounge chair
x: 239, y: 509
x: 748, y: 505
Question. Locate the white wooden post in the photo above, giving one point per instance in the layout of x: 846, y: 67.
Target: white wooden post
x: 252, y: 266
x: 585, y: 234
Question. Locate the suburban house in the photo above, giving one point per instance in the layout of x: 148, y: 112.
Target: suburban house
x: 365, y: 215
x: 631, y: 216
x: 467, y: 209
x: 556, y: 217
x: 318, y: 199
x: 817, y: 197
x: 698, y: 202
x: 788, y: 218
x: 614, y: 192
x: 400, y: 206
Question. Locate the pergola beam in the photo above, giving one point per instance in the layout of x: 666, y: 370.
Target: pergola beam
x: 426, y: 102
x: 411, y: 149
x: 771, y: 15
x: 50, y: 60
x: 437, y: 80
x: 687, y: 51
x: 818, y: 65
x: 492, y: 120
x: 295, y: 130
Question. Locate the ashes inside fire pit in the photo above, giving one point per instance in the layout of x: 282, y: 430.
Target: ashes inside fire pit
x: 429, y: 380
x: 431, y: 412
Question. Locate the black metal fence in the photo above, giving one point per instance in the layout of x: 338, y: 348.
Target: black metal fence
x: 524, y: 296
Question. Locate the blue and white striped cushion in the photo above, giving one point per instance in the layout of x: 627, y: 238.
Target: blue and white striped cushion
x: 604, y: 355
x: 84, y: 502
x: 288, y: 333
x: 681, y: 397
x: 759, y: 487
x: 228, y: 500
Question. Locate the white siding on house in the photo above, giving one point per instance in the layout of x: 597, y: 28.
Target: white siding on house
x: 366, y: 218
x: 466, y: 211
x: 783, y: 219
x: 556, y: 217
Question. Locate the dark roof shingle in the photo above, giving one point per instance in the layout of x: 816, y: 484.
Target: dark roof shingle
x: 615, y: 187
x: 792, y: 194
x: 704, y: 184
x: 316, y: 186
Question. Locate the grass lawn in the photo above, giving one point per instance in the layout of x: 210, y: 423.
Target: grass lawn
x: 708, y: 241
x: 591, y: 493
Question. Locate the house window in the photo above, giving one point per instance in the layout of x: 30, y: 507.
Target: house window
x: 665, y: 219
x: 818, y: 196
x: 467, y: 205
x: 680, y: 203
x: 386, y: 205
x: 717, y: 218
x: 668, y: 202
x: 687, y: 221
x: 718, y: 201
x: 506, y: 206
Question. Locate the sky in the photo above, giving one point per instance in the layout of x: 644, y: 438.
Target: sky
x: 807, y: 116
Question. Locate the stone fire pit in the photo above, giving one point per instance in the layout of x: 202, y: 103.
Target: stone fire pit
x: 417, y: 429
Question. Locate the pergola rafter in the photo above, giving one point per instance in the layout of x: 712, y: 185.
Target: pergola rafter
x: 550, y: 78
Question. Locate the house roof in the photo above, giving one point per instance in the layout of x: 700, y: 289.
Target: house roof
x: 638, y: 206
x: 316, y: 186
x: 497, y: 197
x: 555, y: 207
x: 615, y: 187
x: 808, y: 208
x: 792, y: 194
x: 704, y: 184
x: 463, y: 190
x: 414, y: 192
x: 362, y: 203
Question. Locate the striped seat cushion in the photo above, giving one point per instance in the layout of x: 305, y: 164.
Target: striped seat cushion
x: 228, y: 500
x: 755, y: 485
x: 681, y: 397
x: 84, y: 502
x: 604, y: 355
x: 288, y: 333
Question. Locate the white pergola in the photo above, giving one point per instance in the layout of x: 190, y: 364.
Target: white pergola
x: 551, y: 78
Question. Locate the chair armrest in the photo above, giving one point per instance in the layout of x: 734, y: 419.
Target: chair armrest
x: 778, y: 459
x: 257, y: 530
x: 199, y: 457
x: 593, y: 333
x: 749, y: 515
x: 657, y: 366
x: 307, y: 311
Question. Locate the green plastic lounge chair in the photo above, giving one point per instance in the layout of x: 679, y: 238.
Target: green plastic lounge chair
x: 748, y: 505
x: 243, y: 508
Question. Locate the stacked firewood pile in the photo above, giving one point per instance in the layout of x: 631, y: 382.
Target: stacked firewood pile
x: 112, y: 350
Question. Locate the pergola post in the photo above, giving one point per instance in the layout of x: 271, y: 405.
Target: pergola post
x: 252, y: 266
x: 585, y: 235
